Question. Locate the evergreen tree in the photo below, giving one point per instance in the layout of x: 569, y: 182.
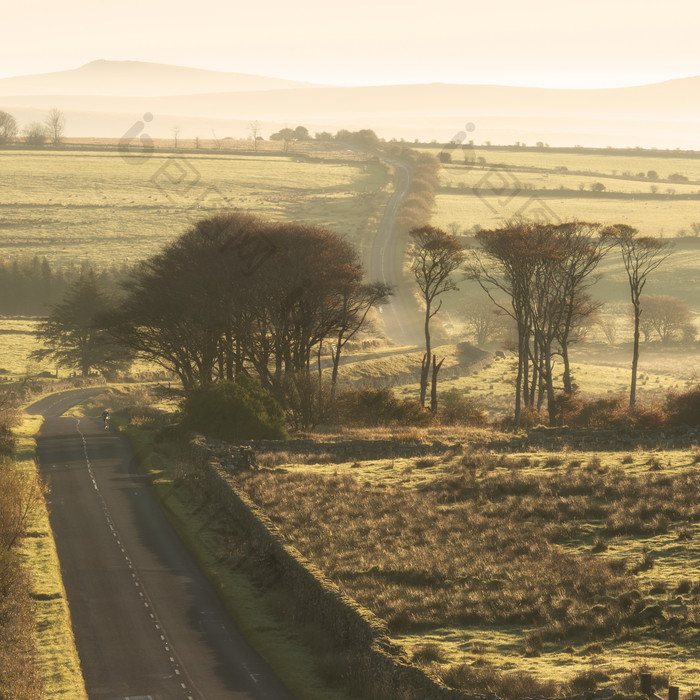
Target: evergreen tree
x: 72, y: 336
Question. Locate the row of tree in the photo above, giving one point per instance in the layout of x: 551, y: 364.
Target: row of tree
x: 665, y: 319
x: 29, y: 285
x: 363, y: 138
x: 539, y: 275
x: 52, y: 129
x: 234, y: 295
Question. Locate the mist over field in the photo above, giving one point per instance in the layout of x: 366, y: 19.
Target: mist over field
x: 101, y: 99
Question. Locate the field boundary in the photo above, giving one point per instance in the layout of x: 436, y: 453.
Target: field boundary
x: 380, y: 665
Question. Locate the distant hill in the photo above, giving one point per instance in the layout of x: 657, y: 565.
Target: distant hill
x: 140, y: 79
x: 102, y: 94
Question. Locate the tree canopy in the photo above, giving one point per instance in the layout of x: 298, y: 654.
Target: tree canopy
x: 235, y: 295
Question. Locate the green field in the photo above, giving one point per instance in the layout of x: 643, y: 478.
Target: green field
x: 658, y: 218
x: 540, y: 176
x: 612, y: 163
x: 72, y: 205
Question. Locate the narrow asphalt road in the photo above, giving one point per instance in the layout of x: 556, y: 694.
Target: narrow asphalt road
x: 147, y: 623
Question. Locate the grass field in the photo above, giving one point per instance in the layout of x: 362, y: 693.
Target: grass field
x: 612, y: 163
x: 16, y: 342
x: 72, y: 206
x: 652, y: 218
x: 542, y: 170
x: 576, y: 568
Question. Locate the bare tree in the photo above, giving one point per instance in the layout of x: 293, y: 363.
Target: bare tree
x: 666, y: 315
x: 55, y: 123
x: 352, y: 304
x: 254, y: 130
x: 539, y: 274
x: 8, y: 128
x: 608, y: 325
x: 581, y: 248
x: 34, y: 134
x: 435, y: 255
x: 176, y: 133
x: 483, y: 320
x: 503, y: 266
x: 641, y: 255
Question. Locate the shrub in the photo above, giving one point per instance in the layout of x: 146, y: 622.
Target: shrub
x: 587, y: 681
x: 534, y: 643
x: 507, y: 685
x: 684, y: 408
x: 234, y: 411
x: 456, y: 408
x: 612, y: 413
x: 429, y: 653
x: 379, y: 407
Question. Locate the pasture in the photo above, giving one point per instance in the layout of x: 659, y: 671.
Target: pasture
x: 74, y: 205
x: 541, y: 175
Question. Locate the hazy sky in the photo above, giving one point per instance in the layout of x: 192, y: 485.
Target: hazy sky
x: 596, y: 43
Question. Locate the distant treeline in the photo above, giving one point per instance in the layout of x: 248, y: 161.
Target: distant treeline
x: 30, y: 284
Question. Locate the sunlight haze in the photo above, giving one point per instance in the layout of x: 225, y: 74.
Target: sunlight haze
x: 542, y: 43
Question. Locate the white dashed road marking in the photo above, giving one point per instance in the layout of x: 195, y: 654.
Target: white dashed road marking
x: 137, y: 583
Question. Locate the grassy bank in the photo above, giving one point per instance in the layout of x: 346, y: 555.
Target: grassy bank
x: 57, y: 657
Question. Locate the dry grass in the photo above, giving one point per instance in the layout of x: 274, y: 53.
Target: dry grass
x: 579, y: 548
x: 20, y: 493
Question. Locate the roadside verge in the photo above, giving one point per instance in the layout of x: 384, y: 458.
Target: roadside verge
x: 57, y: 656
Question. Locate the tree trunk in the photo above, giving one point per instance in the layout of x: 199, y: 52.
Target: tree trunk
x: 424, y: 371
x: 551, y: 404
x: 568, y: 385
x: 335, y: 354
x: 635, y: 355
x: 229, y: 356
x: 220, y: 362
x: 522, y: 351
x: 433, y: 387
x: 535, y: 382
x: 425, y: 367
x: 320, y: 381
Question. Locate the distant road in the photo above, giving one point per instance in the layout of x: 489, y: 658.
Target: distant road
x: 386, y: 259
x: 147, y: 623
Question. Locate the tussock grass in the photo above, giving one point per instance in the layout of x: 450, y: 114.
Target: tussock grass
x: 482, y: 542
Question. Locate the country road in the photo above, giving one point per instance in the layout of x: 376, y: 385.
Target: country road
x: 147, y: 623
x: 385, y: 261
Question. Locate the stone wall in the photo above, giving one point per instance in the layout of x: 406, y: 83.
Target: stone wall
x: 381, y: 666
x: 548, y: 439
